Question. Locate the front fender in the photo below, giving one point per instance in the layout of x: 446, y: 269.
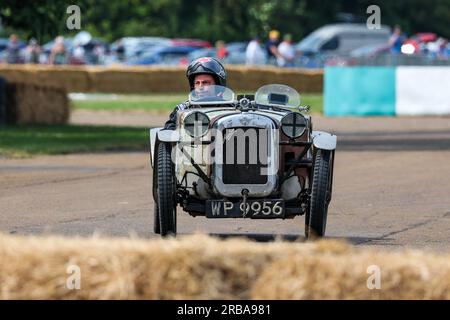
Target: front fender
x: 168, y: 136
x: 153, y: 137
x: 324, y: 140
x: 158, y: 134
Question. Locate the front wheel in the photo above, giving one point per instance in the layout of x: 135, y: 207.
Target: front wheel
x: 156, y: 224
x: 165, y: 191
x: 316, y: 220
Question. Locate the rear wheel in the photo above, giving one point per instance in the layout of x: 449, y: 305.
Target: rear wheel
x: 316, y: 220
x: 165, y: 190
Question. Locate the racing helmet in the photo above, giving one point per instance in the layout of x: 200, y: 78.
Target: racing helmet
x: 207, y: 65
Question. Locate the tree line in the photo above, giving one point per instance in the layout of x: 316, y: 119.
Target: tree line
x: 228, y: 20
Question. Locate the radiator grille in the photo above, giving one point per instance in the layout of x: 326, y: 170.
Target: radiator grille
x: 245, y: 152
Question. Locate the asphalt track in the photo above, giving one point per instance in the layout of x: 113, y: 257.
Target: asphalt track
x: 391, y: 188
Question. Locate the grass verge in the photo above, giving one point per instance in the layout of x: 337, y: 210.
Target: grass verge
x: 164, y: 102
x: 61, y: 139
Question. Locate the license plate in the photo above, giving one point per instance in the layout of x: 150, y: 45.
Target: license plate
x: 254, y: 209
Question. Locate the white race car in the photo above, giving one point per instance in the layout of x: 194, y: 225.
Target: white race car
x: 249, y: 156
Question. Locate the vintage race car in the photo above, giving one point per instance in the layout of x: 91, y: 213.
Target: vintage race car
x: 248, y: 156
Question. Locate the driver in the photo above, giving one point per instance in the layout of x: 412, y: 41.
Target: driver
x: 202, y: 73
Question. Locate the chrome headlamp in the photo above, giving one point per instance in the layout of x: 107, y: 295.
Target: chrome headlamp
x: 196, y: 124
x: 294, y: 124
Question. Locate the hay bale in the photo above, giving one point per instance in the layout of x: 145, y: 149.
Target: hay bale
x: 72, y: 78
x: 201, y: 267
x: 252, y: 78
x: 119, y: 79
x: 403, y: 275
x: 29, y: 103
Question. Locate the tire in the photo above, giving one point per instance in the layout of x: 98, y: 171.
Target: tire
x: 156, y: 223
x: 307, y: 223
x: 156, y: 226
x: 166, y: 191
x: 316, y: 220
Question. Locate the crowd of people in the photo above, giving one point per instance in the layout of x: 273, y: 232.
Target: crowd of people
x: 273, y: 52
x: 59, y: 53
x: 422, y: 43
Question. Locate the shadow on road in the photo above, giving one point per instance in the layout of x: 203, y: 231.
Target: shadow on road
x: 260, y: 237
x: 437, y: 140
x: 265, y: 237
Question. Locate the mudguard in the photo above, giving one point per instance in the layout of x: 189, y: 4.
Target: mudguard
x: 153, y: 136
x: 168, y: 136
x: 324, y: 140
x: 158, y: 134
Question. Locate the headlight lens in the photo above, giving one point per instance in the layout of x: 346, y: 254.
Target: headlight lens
x: 196, y: 124
x: 293, y: 124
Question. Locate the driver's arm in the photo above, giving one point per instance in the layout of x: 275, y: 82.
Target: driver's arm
x: 172, y: 122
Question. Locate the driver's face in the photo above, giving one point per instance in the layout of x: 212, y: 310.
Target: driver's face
x: 204, y: 85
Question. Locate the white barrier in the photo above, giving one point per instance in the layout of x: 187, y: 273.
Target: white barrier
x: 422, y: 90
x: 387, y: 91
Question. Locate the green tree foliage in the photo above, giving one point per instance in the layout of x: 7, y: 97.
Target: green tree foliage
x: 229, y: 20
x: 40, y: 19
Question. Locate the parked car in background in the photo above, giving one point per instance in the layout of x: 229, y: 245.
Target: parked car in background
x: 342, y: 38
x: 335, y: 40
x: 195, y: 43
x: 173, y: 55
x: 204, y: 52
x: 236, y: 53
x: 372, y: 54
x: 135, y: 46
x: 420, y: 43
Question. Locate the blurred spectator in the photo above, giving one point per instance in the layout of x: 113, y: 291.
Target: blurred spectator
x: 13, y: 50
x: 272, y: 47
x: 254, y: 54
x: 32, y: 52
x: 221, y: 50
x: 287, y: 52
x: 78, y: 53
x: 58, y: 55
x: 120, y: 51
x: 396, y: 40
x: 436, y: 49
x: 99, y: 53
x: 445, y: 51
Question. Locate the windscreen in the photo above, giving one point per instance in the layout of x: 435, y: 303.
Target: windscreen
x: 277, y: 95
x: 212, y: 94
